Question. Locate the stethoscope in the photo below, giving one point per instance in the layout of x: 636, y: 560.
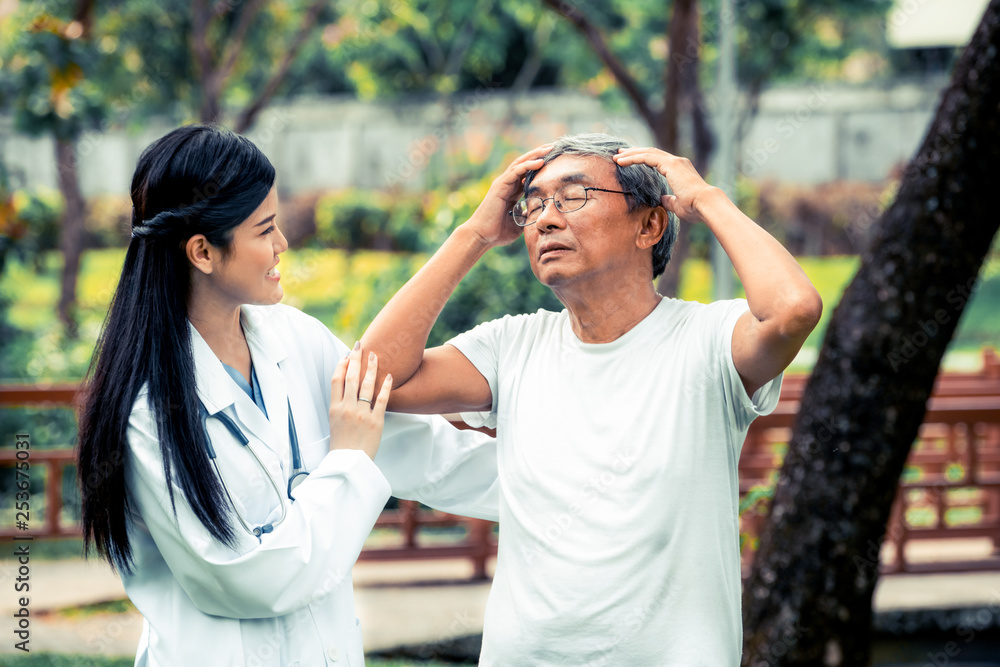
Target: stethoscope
x: 298, y: 471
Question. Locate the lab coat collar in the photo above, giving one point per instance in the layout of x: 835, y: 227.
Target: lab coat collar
x: 218, y: 391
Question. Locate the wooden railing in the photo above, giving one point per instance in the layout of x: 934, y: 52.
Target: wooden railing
x: 951, y: 486
x: 954, y: 467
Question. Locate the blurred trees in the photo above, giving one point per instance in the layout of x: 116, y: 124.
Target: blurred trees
x: 49, y: 81
x: 219, y: 42
x: 810, y: 591
x: 77, y: 67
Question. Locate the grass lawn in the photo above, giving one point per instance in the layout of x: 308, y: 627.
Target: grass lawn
x: 345, y: 291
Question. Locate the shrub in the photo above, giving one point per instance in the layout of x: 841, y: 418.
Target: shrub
x: 369, y: 219
x: 39, y: 211
x: 109, y: 221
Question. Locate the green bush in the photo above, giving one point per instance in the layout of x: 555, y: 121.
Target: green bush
x: 37, y: 214
x: 369, y: 219
x: 109, y: 221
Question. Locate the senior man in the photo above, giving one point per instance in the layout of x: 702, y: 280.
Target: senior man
x: 620, y: 419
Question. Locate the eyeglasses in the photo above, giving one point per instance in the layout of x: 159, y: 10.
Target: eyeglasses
x: 568, y: 198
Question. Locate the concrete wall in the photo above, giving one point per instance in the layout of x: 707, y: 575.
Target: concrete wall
x: 805, y: 134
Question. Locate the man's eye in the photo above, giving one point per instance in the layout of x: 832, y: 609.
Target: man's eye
x: 533, y: 207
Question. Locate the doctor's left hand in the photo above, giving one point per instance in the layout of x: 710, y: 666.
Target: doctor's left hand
x: 356, y: 414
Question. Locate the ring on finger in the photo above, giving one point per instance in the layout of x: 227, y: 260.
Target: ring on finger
x: 366, y: 400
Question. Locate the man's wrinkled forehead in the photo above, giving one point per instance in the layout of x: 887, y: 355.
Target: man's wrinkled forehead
x: 567, y: 169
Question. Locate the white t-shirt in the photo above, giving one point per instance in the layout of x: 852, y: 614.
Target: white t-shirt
x: 619, y: 541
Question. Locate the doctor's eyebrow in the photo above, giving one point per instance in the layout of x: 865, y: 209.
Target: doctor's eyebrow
x: 578, y: 177
x: 265, y: 220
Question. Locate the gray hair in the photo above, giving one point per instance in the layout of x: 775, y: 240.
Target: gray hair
x: 645, y: 183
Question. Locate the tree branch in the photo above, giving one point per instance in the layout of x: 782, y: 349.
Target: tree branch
x: 596, y: 40
x: 235, y: 46
x: 533, y: 61
x: 249, y: 114
x: 203, y: 59
x: 85, y: 15
x: 460, y: 47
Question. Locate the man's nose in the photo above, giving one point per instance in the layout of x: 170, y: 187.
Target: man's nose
x: 550, y: 217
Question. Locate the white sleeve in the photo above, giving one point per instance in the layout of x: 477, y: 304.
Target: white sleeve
x: 744, y: 409
x: 307, y: 556
x: 428, y: 459
x: 481, y: 346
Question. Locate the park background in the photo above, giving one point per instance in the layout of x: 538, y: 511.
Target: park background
x: 387, y: 120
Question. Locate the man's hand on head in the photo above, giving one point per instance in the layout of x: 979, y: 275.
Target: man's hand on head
x: 492, y: 220
x: 689, y: 188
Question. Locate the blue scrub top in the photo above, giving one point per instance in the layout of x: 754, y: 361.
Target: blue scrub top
x: 253, y: 391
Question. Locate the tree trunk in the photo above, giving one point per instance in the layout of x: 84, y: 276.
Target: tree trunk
x: 72, y: 238
x: 684, y: 44
x: 808, y: 600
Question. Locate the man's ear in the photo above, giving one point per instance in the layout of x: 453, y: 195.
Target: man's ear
x: 654, y: 224
x: 202, y: 254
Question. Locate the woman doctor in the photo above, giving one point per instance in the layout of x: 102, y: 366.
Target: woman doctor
x: 227, y: 441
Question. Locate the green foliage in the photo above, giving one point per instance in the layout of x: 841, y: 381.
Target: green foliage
x: 47, y: 77
x: 368, y: 219
x: 394, y: 47
x: 109, y: 221
x: 37, y: 215
x: 123, y: 606
x: 501, y: 283
x: 823, y: 39
x: 755, y: 501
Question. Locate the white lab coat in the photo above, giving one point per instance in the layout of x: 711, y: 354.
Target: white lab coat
x: 286, y: 599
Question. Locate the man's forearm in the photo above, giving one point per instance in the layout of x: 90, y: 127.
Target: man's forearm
x: 398, y: 335
x: 776, y: 287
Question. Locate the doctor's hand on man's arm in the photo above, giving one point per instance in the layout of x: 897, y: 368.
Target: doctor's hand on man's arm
x: 357, y: 416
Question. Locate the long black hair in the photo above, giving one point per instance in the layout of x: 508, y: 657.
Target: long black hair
x: 198, y: 179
